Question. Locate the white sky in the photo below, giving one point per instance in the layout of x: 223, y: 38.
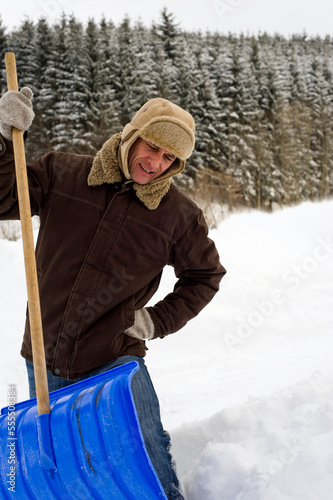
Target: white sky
x: 247, y: 16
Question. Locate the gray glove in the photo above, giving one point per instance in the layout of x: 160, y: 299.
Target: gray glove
x: 15, y: 111
x: 143, y: 327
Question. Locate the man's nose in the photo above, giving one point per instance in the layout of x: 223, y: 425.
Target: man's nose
x: 155, y: 160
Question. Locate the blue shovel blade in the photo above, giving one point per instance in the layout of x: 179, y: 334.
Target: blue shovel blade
x: 89, y: 447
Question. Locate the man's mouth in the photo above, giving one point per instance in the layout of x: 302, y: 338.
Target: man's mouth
x: 143, y: 168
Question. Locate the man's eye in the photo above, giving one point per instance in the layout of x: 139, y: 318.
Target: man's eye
x: 170, y: 158
x: 154, y: 148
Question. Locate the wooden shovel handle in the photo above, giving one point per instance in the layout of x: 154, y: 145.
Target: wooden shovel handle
x: 38, y: 353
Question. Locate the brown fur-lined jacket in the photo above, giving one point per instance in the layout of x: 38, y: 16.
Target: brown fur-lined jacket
x: 100, y: 253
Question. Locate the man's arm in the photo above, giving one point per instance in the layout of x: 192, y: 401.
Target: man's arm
x: 199, y: 272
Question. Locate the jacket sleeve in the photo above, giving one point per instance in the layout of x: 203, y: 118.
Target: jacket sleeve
x: 38, y: 179
x: 199, y: 272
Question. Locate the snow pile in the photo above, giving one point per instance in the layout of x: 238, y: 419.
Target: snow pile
x: 246, y: 388
x: 274, y: 448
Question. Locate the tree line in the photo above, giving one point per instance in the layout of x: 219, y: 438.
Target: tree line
x: 262, y: 104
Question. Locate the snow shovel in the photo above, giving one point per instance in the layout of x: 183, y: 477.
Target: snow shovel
x: 80, y: 442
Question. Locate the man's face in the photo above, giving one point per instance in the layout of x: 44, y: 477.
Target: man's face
x: 146, y: 161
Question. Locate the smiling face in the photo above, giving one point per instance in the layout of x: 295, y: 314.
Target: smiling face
x: 146, y: 161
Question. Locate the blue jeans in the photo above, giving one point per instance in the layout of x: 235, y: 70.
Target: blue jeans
x: 157, y: 441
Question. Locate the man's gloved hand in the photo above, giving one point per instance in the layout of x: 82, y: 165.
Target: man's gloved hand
x: 15, y: 111
x: 143, y: 327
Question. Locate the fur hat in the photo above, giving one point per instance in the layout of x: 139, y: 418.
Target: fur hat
x: 165, y: 125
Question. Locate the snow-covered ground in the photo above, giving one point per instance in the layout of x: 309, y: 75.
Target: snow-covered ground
x: 246, y: 389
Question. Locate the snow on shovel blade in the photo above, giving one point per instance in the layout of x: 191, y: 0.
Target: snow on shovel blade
x: 89, y: 447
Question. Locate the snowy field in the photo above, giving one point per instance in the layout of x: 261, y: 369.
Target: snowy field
x: 246, y: 389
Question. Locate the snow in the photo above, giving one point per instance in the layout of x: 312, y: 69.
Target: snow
x: 246, y: 388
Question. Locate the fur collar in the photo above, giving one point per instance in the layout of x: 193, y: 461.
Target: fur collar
x: 106, y: 169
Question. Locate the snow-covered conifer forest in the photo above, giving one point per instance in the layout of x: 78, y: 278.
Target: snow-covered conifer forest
x: 262, y: 104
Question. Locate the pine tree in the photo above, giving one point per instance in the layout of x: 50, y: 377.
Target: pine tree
x: 146, y: 79
x: 22, y: 42
x: 277, y: 95
x: 109, y: 122
x: 56, y: 92
x: 124, y: 73
x: 168, y: 31
x: 86, y: 94
x: 164, y: 69
x: 38, y: 142
x: 318, y: 183
x: 262, y: 172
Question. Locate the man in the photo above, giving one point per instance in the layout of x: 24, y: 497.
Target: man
x: 109, y: 224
